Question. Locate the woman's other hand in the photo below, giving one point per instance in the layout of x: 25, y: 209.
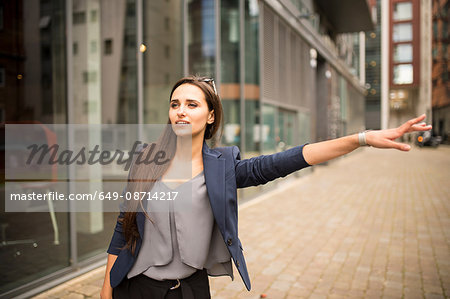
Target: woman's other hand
x: 385, y: 138
x: 106, y: 292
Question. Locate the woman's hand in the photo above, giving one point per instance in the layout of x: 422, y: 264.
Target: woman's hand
x: 106, y: 292
x: 385, y: 138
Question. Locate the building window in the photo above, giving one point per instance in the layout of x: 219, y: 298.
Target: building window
x: 402, y: 32
x: 79, y: 18
x: 403, y: 53
x: 131, y: 9
x: 167, y: 51
x: 93, y: 16
x: 75, y: 49
x: 85, y: 77
x: 167, y: 23
x: 403, y: 74
x: 2, y: 77
x: 108, y: 47
x: 89, y: 77
x: 93, y: 46
x: 402, y: 11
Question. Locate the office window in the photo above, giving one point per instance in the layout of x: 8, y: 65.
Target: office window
x: 108, y: 46
x: 79, y: 18
x: 403, y: 74
x: 402, y: 11
x: 403, y: 53
x: 402, y: 32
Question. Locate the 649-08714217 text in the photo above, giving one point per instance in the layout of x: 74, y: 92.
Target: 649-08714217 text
x: 59, y: 196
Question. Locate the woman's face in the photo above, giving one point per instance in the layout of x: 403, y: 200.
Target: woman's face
x: 188, y: 106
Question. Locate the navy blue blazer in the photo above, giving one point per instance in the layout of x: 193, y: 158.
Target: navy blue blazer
x: 224, y: 172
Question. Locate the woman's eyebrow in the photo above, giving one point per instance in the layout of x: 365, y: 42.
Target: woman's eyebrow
x: 188, y: 100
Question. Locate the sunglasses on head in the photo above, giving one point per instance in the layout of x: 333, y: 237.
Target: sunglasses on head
x: 211, y: 81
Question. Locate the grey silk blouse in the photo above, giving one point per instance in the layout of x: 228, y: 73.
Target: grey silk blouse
x: 183, y: 236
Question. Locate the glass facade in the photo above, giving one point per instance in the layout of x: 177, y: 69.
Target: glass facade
x: 251, y: 83
x: 33, y: 47
x: 230, y: 87
x: 202, y: 37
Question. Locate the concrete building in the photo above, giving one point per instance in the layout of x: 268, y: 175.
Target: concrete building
x: 288, y: 72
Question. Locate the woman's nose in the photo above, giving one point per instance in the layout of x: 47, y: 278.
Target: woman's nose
x: 181, y: 110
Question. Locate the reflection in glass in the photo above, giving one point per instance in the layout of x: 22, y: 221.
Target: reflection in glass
x: 202, y: 38
x: 402, y: 11
x: 104, y: 91
x: 163, y: 64
x: 232, y: 127
x: 403, y: 74
x: 33, y: 89
x: 286, y: 125
x: 402, y: 32
x: 403, y: 53
x: 122, y: 66
x: 230, y: 71
x: 252, y: 127
x: 252, y: 107
x: 268, y: 130
x: 303, y: 127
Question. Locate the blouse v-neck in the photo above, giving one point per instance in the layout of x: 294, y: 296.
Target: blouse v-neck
x: 180, y: 185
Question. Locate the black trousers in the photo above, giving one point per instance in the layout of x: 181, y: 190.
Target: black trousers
x: 195, y: 286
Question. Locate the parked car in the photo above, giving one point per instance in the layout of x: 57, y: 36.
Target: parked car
x: 427, y: 139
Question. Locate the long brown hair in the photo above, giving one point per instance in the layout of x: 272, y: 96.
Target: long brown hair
x: 142, y: 177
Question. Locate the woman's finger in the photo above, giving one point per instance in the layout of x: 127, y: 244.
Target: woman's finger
x: 407, y: 125
x: 421, y: 127
x: 397, y: 145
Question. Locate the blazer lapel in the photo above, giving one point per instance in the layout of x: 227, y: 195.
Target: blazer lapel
x: 214, y: 171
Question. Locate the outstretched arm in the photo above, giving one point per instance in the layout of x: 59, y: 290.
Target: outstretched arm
x: 320, y: 152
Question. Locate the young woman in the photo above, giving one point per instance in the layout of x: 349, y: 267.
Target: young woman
x: 170, y: 254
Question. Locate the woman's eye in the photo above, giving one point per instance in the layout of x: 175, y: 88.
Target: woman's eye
x: 192, y: 105
x: 173, y: 105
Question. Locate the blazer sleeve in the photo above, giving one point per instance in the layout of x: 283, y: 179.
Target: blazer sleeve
x: 265, y: 168
x: 118, y: 240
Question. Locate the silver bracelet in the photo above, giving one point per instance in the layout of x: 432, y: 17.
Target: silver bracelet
x: 362, y: 138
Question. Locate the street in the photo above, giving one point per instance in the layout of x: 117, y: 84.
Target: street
x: 374, y: 224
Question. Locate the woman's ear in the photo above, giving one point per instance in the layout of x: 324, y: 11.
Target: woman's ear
x: 210, y: 117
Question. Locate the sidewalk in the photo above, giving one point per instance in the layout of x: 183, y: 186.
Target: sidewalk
x: 374, y: 224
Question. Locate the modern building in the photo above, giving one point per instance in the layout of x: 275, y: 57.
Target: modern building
x: 288, y: 72
x: 406, y: 61
x: 441, y: 69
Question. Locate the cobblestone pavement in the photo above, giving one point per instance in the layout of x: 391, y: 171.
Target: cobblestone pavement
x: 375, y: 224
